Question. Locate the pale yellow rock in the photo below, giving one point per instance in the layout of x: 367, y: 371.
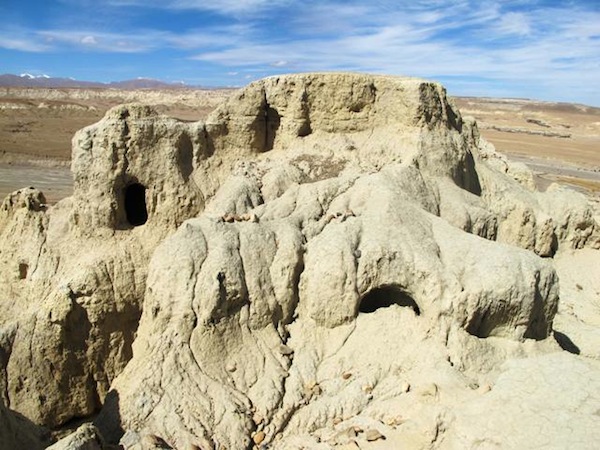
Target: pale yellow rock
x: 373, y: 435
x: 259, y: 437
x: 499, y: 416
x: 484, y: 388
x: 86, y: 437
x: 78, y: 269
x: 346, y: 228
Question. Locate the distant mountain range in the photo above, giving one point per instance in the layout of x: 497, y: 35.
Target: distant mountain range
x: 44, y: 81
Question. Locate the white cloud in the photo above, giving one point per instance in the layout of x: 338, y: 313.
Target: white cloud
x: 89, y: 40
x: 102, y: 41
x: 514, y: 23
x: 225, y: 7
x: 210, y: 37
x: 22, y: 44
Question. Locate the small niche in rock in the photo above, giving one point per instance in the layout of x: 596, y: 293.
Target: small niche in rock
x: 23, y: 268
x: 385, y: 296
x: 135, y: 204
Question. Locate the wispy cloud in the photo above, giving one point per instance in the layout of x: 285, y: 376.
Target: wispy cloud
x: 22, y: 44
x: 91, y: 40
x: 526, y: 48
x: 225, y: 7
x: 137, y: 41
x: 516, y: 23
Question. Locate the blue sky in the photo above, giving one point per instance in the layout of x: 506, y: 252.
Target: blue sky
x: 548, y: 50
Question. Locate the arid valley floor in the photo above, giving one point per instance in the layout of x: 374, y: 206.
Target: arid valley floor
x: 559, y: 142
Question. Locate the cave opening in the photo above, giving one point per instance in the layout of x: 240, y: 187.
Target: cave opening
x: 135, y: 204
x: 272, y: 123
x: 23, y: 269
x: 385, y: 296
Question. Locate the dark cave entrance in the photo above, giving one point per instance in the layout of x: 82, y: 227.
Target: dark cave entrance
x: 385, y: 296
x: 135, y: 204
x: 272, y: 123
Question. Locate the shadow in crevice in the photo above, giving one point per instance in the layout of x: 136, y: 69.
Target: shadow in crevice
x: 19, y: 432
x: 467, y: 177
x: 272, y: 123
x: 385, y: 296
x: 566, y: 343
x: 185, y: 156
x: 108, y: 421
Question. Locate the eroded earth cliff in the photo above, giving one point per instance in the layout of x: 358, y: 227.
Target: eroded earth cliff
x: 328, y: 260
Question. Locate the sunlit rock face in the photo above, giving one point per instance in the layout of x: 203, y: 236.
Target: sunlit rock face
x: 325, y: 248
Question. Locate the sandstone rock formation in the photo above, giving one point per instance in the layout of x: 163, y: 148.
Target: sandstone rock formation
x: 356, y: 263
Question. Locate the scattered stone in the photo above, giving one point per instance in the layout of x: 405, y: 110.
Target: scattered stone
x: 429, y: 390
x: 373, y: 435
x: 395, y: 421
x: 86, y: 437
x: 343, y: 436
x: 259, y: 437
x: 285, y: 350
x: 484, y: 388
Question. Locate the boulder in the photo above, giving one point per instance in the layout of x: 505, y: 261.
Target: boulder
x: 86, y: 437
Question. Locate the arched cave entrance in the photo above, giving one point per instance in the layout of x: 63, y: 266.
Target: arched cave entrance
x: 135, y: 204
x: 385, y: 296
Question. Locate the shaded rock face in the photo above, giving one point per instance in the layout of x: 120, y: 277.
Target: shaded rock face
x: 116, y: 162
x: 18, y: 432
x: 340, y: 227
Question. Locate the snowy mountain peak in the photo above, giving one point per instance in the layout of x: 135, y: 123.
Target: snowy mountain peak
x: 33, y: 77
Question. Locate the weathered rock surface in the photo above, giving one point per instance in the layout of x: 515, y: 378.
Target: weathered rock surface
x: 86, y: 437
x: 17, y: 432
x: 78, y: 270
x: 577, y: 323
x: 355, y: 255
x: 535, y: 393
